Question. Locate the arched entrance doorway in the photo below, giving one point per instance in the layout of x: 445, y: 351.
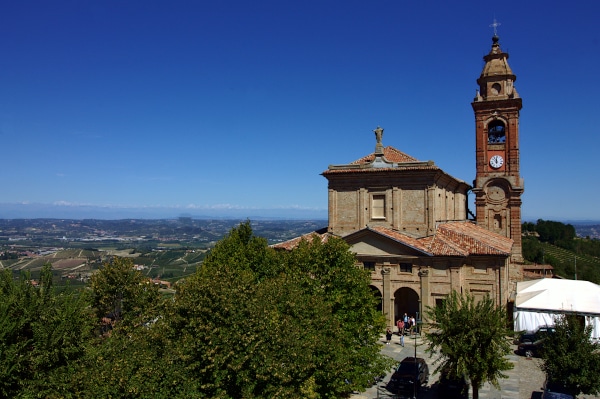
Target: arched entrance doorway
x: 377, y: 295
x: 406, y: 300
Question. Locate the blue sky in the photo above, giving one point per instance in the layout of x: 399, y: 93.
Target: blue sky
x: 163, y: 108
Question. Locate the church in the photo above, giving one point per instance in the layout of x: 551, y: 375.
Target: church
x: 408, y: 221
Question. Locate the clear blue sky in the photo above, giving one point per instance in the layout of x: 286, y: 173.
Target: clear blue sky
x: 197, y: 107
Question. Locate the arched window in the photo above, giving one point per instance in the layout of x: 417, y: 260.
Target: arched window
x: 496, y: 132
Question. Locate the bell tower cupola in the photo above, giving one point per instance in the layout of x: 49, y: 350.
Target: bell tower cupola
x: 498, y: 185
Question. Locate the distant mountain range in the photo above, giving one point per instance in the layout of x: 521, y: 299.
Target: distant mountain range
x: 61, y: 210
x: 78, y: 211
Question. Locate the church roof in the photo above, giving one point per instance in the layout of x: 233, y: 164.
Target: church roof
x: 385, y: 159
x: 475, y: 239
x: 322, y: 234
x: 390, y: 153
x: 388, y: 159
x: 461, y: 238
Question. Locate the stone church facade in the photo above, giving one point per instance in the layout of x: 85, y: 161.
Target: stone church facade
x: 407, y: 220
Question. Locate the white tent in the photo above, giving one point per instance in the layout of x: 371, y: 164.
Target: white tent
x: 539, y: 302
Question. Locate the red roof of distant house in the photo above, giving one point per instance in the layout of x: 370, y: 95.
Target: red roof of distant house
x: 538, y: 267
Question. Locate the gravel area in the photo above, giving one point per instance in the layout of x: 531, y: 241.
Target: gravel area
x: 531, y: 377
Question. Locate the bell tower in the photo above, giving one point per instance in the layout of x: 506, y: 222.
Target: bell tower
x: 498, y: 185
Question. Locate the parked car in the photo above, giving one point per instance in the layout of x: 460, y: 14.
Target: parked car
x: 532, y: 344
x: 531, y: 349
x: 452, y: 385
x: 554, y: 390
x: 412, y: 373
x: 539, y: 333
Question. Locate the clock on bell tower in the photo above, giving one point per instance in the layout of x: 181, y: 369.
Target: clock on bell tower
x: 498, y: 184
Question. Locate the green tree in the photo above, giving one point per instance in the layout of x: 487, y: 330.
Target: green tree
x: 253, y: 322
x: 570, y: 358
x: 239, y: 339
x: 43, y: 335
x: 250, y: 323
x: 129, y: 363
x: 528, y: 227
x: 554, y: 232
x: 132, y: 360
x: 327, y: 270
x: 533, y: 250
x: 122, y: 293
x: 471, y: 338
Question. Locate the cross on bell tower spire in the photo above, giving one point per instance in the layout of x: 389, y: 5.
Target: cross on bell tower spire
x: 495, y: 25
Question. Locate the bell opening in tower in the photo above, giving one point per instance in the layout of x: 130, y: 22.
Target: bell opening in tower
x: 496, y: 132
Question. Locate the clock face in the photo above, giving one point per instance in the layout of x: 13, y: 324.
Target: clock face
x: 496, y: 161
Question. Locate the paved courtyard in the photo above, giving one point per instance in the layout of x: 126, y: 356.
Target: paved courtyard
x: 525, y: 379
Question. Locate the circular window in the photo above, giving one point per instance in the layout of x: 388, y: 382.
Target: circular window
x: 496, y: 88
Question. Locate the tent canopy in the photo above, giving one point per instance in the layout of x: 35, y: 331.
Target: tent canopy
x: 539, y: 302
x: 558, y: 296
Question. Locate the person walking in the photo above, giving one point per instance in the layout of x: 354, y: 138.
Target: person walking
x: 401, y: 331
x: 388, y: 336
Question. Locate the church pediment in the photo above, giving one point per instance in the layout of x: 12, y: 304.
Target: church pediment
x: 371, y: 242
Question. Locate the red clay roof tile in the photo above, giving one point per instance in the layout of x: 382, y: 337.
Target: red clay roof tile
x: 294, y: 242
x: 454, y: 239
x: 462, y: 238
x: 390, y: 153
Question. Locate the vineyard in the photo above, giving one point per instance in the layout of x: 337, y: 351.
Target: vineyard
x: 566, y: 263
x: 77, y: 265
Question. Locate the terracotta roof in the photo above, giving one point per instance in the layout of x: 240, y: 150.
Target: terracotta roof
x: 538, y: 267
x: 450, y: 239
x: 454, y: 239
x: 412, y: 242
x: 424, y: 166
x: 440, y: 245
x: 293, y: 243
x: 476, y: 239
x: 390, y: 153
x: 392, y: 160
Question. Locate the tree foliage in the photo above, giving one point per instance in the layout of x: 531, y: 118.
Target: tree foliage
x: 256, y: 323
x: 129, y: 363
x: 328, y: 271
x: 43, y: 335
x: 551, y: 231
x: 121, y: 293
x: 250, y: 323
x: 570, y: 358
x: 471, y: 337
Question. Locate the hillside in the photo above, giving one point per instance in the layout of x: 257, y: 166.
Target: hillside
x: 562, y: 246
x: 585, y: 266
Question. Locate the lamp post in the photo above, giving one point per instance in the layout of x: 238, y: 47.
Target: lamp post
x: 421, y: 274
x: 419, y: 318
x: 416, y: 370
